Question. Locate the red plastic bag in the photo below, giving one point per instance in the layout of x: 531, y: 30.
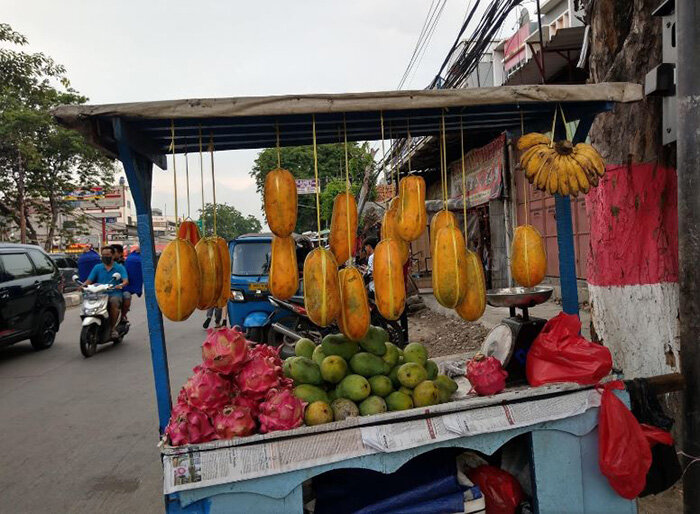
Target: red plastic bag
x: 624, y: 455
x: 560, y: 354
x: 656, y: 435
x: 501, y: 490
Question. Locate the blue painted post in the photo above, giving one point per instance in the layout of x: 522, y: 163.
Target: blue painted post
x: 567, y: 261
x: 139, y: 173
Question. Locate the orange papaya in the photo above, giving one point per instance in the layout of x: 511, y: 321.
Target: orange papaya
x: 188, y: 230
x: 412, y: 217
x: 354, y: 312
x: 390, y: 230
x: 449, y: 267
x: 225, y: 257
x: 321, y: 289
x: 178, y: 280
x: 440, y: 220
x: 528, y: 263
x: 280, y: 196
x: 209, y: 262
x: 343, y: 227
x: 474, y: 303
x: 284, y: 275
x: 389, y: 286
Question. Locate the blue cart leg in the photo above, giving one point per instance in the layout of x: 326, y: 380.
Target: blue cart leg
x: 139, y: 172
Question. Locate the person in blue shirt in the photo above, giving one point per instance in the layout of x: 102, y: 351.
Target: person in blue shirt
x: 135, y: 286
x: 87, y: 260
x: 102, y: 274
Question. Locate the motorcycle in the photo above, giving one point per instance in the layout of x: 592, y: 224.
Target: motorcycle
x: 93, y: 311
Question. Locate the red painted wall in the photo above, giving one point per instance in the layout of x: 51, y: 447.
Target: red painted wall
x: 633, y: 217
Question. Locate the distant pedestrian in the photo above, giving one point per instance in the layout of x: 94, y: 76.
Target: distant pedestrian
x: 216, y: 312
x: 87, y: 260
x: 133, y: 268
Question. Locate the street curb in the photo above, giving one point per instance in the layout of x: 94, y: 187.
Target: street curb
x: 72, y: 299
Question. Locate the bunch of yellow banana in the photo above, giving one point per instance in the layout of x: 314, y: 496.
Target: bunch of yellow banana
x: 559, y: 167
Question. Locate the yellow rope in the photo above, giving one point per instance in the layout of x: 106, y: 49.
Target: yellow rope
x: 554, y: 121
x: 392, y: 175
x: 347, y: 190
x: 525, y: 188
x: 566, y: 125
x: 201, y: 175
x: 464, y: 182
x: 187, y: 178
x: 279, y: 158
x: 172, y: 147
x: 408, y: 143
x: 381, y: 120
x: 213, y: 181
x: 318, y: 185
x: 443, y: 162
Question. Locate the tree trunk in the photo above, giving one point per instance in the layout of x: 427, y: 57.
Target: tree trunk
x: 53, y: 205
x: 21, y: 206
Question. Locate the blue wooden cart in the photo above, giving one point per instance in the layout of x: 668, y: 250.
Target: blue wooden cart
x: 564, y: 452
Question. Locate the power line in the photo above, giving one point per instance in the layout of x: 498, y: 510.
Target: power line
x: 427, y: 37
x: 418, y: 41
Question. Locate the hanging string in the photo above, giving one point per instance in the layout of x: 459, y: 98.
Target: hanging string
x: 566, y: 125
x: 187, y: 178
x: 526, y: 190
x: 464, y: 182
x: 201, y: 175
x: 444, y: 163
x: 172, y: 147
x: 408, y: 144
x: 393, y: 174
x: 381, y: 120
x: 554, y: 121
x: 693, y: 460
x: 347, y: 190
x: 213, y: 181
x: 277, y: 132
x: 318, y: 185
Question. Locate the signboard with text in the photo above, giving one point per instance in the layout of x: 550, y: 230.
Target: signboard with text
x: 305, y: 186
x: 483, y: 173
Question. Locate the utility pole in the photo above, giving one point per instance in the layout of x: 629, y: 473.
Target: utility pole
x: 688, y: 153
x: 539, y: 27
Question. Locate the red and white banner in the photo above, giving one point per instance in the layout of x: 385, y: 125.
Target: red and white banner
x: 484, y: 173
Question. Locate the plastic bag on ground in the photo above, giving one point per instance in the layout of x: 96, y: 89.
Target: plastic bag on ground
x: 624, y: 455
x: 560, y: 354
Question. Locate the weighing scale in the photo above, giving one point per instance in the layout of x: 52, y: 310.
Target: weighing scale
x: 510, y: 340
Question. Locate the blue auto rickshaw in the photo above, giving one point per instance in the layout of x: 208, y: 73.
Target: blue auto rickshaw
x: 249, y: 307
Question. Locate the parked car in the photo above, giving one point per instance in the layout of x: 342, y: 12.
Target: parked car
x: 68, y: 266
x: 31, y: 300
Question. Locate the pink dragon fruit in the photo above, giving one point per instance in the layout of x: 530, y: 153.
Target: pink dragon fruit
x: 258, y: 376
x: 233, y: 421
x: 281, y: 410
x: 486, y: 375
x: 225, y: 350
x: 264, y: 350
x: 188, y: 425
x: 207, y: 391
x: 252, y: 404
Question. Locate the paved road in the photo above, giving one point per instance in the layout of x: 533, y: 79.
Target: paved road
x: 80, y: 435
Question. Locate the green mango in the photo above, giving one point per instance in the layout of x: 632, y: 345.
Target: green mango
x: 286, y: 366
x: 381, y: 385
x: 334, y: 369
x: 415, y: 352
x: 332, y: 395
x: 446, y: 387
x: 367, y: 364
x: 338, y: 344
x: 344, y: 408
x: 310, y: 393
x: 393, y: 375
x: 432, y: 369
x: 305, y: 371
x: 354, y: 387
x: 304, y: 348
x: 318, y: 355
x: 412, y: 374
x: 425, y: 394
x: 391, y: 356
x: 399, y: 401
x: 406, y: 390
x: 372, y: 405
x: 375, y: 341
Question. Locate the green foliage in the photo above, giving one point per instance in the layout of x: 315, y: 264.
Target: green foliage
x: 331, y: 170
x: 39, y: 161
x: 230, y: 223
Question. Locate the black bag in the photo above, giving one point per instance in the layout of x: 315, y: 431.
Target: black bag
x: 665, y: 469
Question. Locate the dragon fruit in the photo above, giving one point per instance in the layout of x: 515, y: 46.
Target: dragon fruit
x: 225, y: 350
x: 258, y: 376
x: 264, y: 350
x: 207, y: 391
x: 188, y: 425
x: 486, y: 375
x: 281, y: 410
x: 252, y: 404
x: 234, y: 421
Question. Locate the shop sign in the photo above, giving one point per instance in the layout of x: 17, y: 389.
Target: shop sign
x: 484, y: 173
x: 305, y: 186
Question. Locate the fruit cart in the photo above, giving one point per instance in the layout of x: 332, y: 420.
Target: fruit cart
x: 265, y: 473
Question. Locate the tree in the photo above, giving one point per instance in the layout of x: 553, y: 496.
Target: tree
x: 39, y: 161
x: 230, y: 223
x: 331, y: 169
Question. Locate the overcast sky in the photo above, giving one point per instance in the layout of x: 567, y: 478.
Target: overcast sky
x: 127, y: 50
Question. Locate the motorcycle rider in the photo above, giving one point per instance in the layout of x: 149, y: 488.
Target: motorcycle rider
x: 102, y: 274
x: 126, y: 294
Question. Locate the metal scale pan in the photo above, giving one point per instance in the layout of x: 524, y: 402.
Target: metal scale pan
x: 510, y: 340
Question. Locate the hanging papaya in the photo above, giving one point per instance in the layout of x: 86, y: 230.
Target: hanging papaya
x: 284, y: 274
x: 354, y: 312
x: 449, y: 267
x: 411, y: 216
x: 188, y: 230
x: 474, y: 303
x: 390, y: 228
x: 389, y: 286
x: 343, y: 227
x: 178, y: 280
x: 440, y: 220
x: 280, y: 202
x: 528, y: 263
x: 225, y: 257
x: 321, y: 289
x: 210, y: 268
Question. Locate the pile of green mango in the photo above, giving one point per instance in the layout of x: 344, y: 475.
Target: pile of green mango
x: 343, y: 378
